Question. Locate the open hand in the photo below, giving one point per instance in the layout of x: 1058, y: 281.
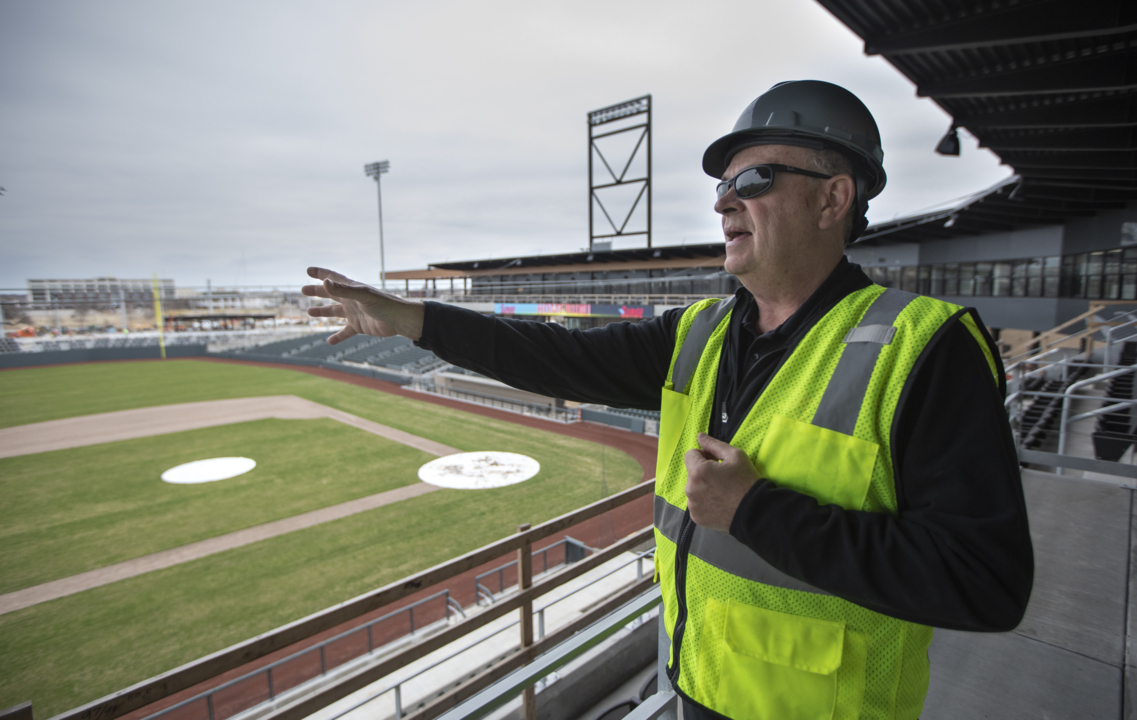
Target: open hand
x: 368, y: 310
x: 718, y: 477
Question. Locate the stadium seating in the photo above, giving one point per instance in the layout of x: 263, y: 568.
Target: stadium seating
x: 632, y: 412
x: 8, y: 345
x: 284, y: 347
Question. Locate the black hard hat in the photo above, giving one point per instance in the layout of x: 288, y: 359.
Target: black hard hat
x: 807, y: 113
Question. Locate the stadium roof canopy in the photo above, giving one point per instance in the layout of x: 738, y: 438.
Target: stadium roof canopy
x: 661, y: 258
x: 1050, y: 86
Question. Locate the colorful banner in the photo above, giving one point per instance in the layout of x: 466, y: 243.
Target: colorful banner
x: 629, y: 312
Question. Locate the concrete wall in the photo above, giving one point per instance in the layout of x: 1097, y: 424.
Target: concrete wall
x: 884, y: 255
x: 486, y: 386
x: 1037, y: 314
x: 1100, y: 232
x: 57, y: 357
x: 1031, y: 242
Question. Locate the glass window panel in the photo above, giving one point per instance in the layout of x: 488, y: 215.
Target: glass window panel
x: 1112, y: 287
x: 937, y: 279
x: 1094, y: 263
x: 1113, y: 262
x: 1129, y: 261
x: 1093, y: 287
x: 983, y: 279
x: 1129, y: 287
x: 908, y: 278
x: 1019, y: 277
x: 924, y: 285
x: 1002, y: 279
x: 967, y: 279
x: 893, y: 276
x: 1050, y: 286
x: 951, y: 279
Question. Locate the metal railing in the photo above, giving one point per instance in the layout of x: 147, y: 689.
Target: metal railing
x: 396, y: 687
x: 663, y: 704
x: 1056, y: 362
x: 548, y: 412
x: 481, y: 592
x: 321, y: 648
x: 236, y: 656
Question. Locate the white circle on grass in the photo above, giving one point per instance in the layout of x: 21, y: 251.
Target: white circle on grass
x: 203, y: 471
x: 479, y: 470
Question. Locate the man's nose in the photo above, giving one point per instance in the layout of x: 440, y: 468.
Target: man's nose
x: 728, y: 203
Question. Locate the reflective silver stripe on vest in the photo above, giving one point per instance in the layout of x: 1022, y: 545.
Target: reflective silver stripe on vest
x: 841, y: 403
x: 724, y: 552
x: 702, y: 327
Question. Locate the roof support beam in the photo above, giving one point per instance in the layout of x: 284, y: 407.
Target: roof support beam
x: 1113, y: 110
x: 1101, y: 139
x: 1026, y: 22
x: 1116, y: 159
x: 1108, y: 71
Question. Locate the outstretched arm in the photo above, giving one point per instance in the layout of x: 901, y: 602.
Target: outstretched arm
x: 368, y: 311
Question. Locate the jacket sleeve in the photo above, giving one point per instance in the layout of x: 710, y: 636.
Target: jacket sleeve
x: 958, y: 552
x: 622, y: 364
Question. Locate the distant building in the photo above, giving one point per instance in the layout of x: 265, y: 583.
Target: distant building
x: 98, y: 291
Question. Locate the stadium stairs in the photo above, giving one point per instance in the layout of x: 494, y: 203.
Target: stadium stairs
x: 1114, y: 433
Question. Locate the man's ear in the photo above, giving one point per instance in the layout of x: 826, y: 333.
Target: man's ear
x: 837, y: 195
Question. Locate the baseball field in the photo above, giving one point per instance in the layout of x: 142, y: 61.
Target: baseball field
x: 81, y: 509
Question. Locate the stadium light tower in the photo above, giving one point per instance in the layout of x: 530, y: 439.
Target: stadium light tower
x: 375, y: 170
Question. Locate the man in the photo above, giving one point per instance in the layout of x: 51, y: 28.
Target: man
x: 836, y: 473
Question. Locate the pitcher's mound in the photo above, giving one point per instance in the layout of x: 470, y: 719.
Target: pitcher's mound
x: 203, y: 471
x: 478, y: 470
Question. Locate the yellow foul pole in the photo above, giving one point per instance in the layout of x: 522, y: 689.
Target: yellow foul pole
x: 158, y: 317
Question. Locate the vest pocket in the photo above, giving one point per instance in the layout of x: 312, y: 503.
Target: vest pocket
x: 777, y: 666
x: 832, y: 467
x: 674, y: 408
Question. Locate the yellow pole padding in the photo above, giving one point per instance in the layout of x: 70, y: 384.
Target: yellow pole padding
x: 158, y: 317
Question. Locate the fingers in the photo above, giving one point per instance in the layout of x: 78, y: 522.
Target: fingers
x: 328, y: 311
x: 337, y: 290
x: 342, y: 335
x: 716, y: 449
x: 315, y: 291
x: 323, y: 274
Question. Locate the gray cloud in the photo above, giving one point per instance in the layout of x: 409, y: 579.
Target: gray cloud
x: 226, y: 141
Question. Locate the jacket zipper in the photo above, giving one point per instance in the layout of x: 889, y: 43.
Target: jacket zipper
x: 686, y: 534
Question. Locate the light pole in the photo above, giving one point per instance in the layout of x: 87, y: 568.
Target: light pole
x: 375, y: 170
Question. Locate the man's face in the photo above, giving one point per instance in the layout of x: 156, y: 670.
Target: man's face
x: 769, y: 236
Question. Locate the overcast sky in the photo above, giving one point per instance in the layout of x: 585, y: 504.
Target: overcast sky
x: 227, y: 140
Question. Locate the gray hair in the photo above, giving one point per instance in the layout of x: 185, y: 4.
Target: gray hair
x: 831, y: 162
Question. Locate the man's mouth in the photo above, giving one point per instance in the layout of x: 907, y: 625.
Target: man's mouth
x: 732, y: 235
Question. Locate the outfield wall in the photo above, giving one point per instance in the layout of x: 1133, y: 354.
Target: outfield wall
x: 313, y: 362
x: 58, y: 357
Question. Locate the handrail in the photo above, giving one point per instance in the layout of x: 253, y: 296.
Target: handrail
x: 1062, y: 432
x: 235, y: 656
x: 508, y: 687
x: 523, y: 598
x: 1043, y: 340
x: 267, y: 669
x: 374, y: 695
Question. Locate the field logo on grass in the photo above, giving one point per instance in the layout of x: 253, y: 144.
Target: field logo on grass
x: 479, y: 470
x: 203, y: 471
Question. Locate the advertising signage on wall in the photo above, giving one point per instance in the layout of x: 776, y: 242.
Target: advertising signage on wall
x: 630, y: 312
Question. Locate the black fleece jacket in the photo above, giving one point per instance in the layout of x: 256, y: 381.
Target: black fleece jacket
x: 957, y: 554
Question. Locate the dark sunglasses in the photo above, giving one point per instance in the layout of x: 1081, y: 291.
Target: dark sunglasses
x: 753, y: 181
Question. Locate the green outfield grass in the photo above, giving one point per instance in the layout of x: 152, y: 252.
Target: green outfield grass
x: 69, y: 651
x: 69, y: 511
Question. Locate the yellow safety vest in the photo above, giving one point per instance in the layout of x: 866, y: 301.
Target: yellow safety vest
x: 748, y: 641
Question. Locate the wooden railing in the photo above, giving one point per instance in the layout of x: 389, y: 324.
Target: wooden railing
x: 211, y: 666
x: 1058, y: 335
